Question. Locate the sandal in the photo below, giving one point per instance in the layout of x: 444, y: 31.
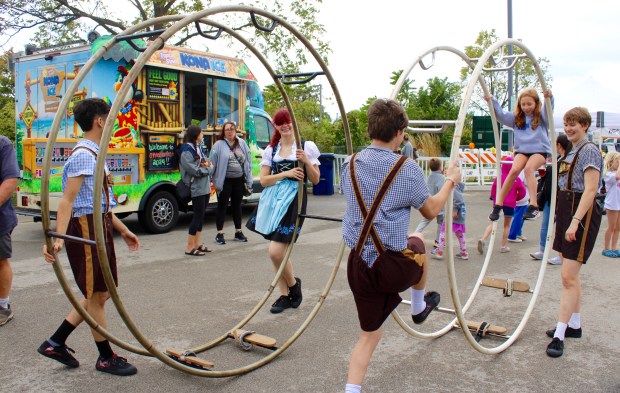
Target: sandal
x: 195, y: 253
x: 203, y: 248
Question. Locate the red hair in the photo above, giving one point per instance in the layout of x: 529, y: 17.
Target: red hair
x: 282, y: 116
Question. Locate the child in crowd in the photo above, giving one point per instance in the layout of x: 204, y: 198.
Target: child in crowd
x: 458, y: 225
x: 434, y: 182
x: 612, y: 204
x: 516, y: 228
x: 532, y: 144
x: 515, y: 193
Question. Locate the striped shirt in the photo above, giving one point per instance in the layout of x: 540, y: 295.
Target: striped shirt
x: 392, y: 219
x: 589, y: 157
x: 83, y: 163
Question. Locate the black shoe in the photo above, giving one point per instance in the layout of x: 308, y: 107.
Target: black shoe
x: 555, y: 349
x: 219, y: 238
x: 494, y: 216
x: 294, y: 293
x: 115, y: 365
x: 60, y: 354
x: 570, y: 332
x: 432, y: 300
x: 531, y: 213
x: 240, y: 237
x: 281, y: 304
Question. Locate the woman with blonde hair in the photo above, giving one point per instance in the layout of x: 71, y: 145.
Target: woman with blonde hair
x: 611, y: 182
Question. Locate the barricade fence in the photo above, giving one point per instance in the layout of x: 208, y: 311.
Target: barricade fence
x: 478, y: 166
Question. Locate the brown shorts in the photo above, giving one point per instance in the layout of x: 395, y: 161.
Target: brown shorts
x: 83, y: 258
x: 376, y: 289
x: 580, y: 249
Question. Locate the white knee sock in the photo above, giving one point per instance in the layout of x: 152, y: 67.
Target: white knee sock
x: 575, y: 320
x: 417, y: 301
x: 4, y: 303
x: 352, y: 388
x: 560, y: 330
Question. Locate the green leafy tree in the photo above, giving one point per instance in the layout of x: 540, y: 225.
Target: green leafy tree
x: 7, y: 101
x: 497, y: 82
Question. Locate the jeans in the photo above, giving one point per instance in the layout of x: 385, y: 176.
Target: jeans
x: 517, y: 223
x: 545, y: 223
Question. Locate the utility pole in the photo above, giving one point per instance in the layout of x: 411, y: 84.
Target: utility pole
x: 510, y: 71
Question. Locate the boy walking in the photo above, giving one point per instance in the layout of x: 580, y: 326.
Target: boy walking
x: 434, y: 182
x: 75, y: 218
x: 380, y: 188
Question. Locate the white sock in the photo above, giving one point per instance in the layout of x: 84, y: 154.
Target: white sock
x: 417, y: 301
x: 575, y: 320
x: 4, y: 303
x: 352, y: 388
x: 560, y: 330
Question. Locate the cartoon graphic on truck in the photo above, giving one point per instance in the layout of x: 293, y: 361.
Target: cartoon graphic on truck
x: 176, y: 88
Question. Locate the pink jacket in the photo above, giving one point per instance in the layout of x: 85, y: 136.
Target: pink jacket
x: 517, y: 191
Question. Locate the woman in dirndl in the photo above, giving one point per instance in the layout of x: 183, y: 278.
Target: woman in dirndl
x: 579, y: 176
x: 282, y: 177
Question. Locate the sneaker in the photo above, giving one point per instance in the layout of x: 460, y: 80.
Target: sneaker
x: 239, y: 236
x: 60, y: 354
x: 609, y: 253
x: 517, y: 240
x: 432, y: 300
x: 538, y: 255
x: 6, y: 314
x: 281, y: 304
x: 481, y: 246
x: 570, y: 332
x: 437, y: 255
x: 494, y: 216
x: 554, y: 261
x: 462, y: 255
x: 504, y: 249
x: 294, y: 293
x: 115, y: 365
x: 523, y: 238
x: 531, y: 213
x: 555, y: 349
x: 219, y: 238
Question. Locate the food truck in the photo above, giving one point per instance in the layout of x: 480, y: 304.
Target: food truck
x: 176, y: 88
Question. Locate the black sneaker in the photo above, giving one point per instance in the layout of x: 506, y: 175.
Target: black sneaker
x: 60, y: 354
x: 294, y: 293
x: 432, y: 300
x: 115, y: 365
x: 494, y: 216
x: 555, y: 349
x: 240, y: 237
x: 531, y: 213
x: 570, y: 332
x: 281, y: 304
x: 219, y: 238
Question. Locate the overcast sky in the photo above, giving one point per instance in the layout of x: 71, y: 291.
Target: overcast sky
x: 369, y: 40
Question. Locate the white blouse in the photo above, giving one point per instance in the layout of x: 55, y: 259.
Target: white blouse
x: 310, y: 148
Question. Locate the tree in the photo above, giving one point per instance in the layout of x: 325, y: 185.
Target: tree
x: 7, y: 102
x: 62, y: 18
x: 497, y: 82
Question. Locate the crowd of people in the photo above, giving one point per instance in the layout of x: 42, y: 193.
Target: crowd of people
x: 380, y: 187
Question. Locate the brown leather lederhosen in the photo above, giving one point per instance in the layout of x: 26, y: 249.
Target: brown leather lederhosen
x: 568, y: 201
x: 376, y: 289
x: 83, y: 258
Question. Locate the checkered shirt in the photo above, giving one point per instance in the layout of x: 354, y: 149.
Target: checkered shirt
x: 83, y: 163
x: 392, y: 219
x: 589, y: 157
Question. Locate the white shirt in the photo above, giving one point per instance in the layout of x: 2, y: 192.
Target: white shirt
x: 612, y: 198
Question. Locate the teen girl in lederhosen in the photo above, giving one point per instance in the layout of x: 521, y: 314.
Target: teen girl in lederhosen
x: 575, y: 233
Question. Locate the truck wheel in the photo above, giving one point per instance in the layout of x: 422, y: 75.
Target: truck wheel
x: 161, y: 213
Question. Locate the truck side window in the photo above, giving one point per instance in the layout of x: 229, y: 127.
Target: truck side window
x: 264, y: 131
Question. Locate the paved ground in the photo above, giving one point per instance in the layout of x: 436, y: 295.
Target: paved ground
x: 184, y: 302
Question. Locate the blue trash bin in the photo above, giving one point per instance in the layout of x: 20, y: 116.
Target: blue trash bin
x: 325, y: 186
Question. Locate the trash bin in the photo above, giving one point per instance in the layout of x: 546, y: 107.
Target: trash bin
x: 325, y: 186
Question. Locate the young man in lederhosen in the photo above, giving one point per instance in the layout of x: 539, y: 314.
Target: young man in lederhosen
x: 381, y: 187
x: 75, y: 218
x: 579, y: 176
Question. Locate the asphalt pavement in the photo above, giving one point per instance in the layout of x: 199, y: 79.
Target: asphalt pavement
x: 183, y: 302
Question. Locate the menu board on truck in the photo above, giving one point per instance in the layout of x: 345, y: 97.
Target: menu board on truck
x: 160, y: 152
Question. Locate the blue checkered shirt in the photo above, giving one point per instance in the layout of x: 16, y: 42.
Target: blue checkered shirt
x: 83, y: 163
x: 392, y: 220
